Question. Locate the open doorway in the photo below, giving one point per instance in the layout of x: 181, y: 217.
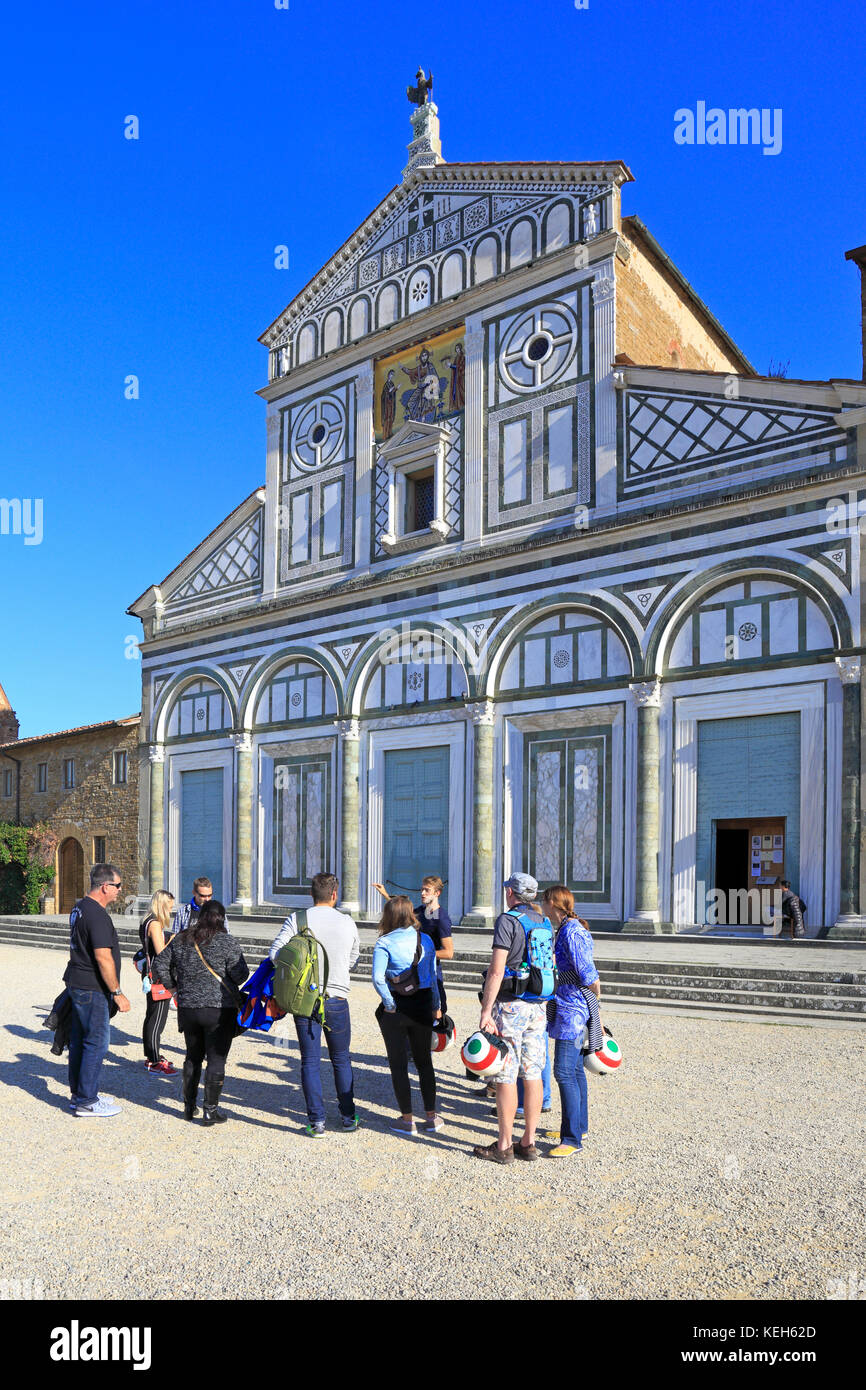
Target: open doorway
x: 749, y: 854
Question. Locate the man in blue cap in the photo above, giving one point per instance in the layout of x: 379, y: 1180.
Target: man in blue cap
x: 522, y: 1023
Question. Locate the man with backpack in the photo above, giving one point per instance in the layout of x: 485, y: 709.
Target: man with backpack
x: 519, y: 982
x: 337, y: 936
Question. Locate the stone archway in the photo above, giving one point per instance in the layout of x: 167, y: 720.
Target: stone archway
x: 71, y: 874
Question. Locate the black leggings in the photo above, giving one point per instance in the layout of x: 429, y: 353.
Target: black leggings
x: 209, y: 1033
x: 154, y: 1022
x: 397, y: 1029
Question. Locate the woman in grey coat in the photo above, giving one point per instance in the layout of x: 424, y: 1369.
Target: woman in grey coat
x: 194, y: 965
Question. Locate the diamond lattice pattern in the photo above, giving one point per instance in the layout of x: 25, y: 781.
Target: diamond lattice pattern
x: 236, y: 562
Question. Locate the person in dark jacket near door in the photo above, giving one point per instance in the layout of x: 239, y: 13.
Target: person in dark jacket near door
x: 195, y: 964
x: 793, y: 924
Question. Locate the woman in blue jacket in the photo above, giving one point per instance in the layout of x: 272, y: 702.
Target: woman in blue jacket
x: 407, y: 1016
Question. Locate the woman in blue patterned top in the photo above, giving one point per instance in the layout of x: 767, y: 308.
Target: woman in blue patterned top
x: 573, y: 953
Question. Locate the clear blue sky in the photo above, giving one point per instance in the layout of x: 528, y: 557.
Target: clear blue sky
x: 261, y: 126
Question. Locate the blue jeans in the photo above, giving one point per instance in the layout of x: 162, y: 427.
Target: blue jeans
x: 338, y: 1035
x: 545, y: 1081
x: 88, y: 1043
x: 571, y: 1078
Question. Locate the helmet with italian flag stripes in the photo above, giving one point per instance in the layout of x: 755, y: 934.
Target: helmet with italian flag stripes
x: 608, y: 1057
x: 484, y: 1053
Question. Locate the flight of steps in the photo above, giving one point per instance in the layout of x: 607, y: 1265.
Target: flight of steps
x: 806, y: 994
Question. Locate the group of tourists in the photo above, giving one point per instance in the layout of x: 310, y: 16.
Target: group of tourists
x: 189, y: 960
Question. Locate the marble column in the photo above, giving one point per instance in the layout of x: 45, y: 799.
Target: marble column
x: 350, y: 735
x: 604, y: 316
x: 156, y: 754
x: 473, y: 431
x: 850, y: 923
x: 645, y: 915
x: 364, y: 464
x: 244, y: 823
x: 481, y: 912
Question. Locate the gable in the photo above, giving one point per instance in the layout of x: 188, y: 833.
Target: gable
x: 226, y: 566
x: 449, y: 227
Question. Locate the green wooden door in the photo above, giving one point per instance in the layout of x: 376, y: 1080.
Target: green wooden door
x: 416, y: 818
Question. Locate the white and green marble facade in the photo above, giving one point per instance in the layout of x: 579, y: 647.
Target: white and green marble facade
x: 627, y: 551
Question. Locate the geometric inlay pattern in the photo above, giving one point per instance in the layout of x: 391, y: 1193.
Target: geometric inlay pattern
x: 675, y: 436
x: 238, y: 561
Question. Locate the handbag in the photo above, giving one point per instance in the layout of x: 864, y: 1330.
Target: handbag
x: 230, y: 987
x: 408, y: 981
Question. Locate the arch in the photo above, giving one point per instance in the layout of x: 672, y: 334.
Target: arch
x: 452, y: 275
x: 359, y: 317
x: 269, y: 669
x: 521, y: 243
x: 519, y: 623
x: 332, y: 330
x: 393, y: 641
x: 557, y: 226
x: 175, y: 688
x: 486, y: 258
x: 307, y: 344
x: 419, y: 290
x: 692, y: 591
x: 70, y: 873
x: 388, y: 304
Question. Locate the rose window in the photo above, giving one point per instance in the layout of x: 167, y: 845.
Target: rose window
x: 318, y: 431
x: 538, y: 348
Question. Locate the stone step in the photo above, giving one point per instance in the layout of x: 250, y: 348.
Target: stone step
x: 841, y: 989
x: 756, y: 1010
x: 733, y: 998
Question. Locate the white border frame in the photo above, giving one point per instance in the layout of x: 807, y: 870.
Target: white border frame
x: 265, y: 749
x: 380, y: 741
x: 195, y: 762
x: 820, y: 765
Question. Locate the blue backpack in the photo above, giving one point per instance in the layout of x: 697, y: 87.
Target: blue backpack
x: 535, y: 980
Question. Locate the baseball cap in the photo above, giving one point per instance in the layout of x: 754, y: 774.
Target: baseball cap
x: 524, y: 884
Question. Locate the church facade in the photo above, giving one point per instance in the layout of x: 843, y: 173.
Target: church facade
x: 542, y: 576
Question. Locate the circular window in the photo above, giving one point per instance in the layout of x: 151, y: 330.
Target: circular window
x: 318, y: 434
x: 539, y: 348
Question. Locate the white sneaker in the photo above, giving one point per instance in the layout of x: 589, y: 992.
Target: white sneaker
x: 101, y: 1109
x: 101, y: 1095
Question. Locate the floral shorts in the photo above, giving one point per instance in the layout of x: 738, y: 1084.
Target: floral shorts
x: 524, y: 1027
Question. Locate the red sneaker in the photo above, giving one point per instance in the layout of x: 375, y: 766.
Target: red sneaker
x: 161, y: 1068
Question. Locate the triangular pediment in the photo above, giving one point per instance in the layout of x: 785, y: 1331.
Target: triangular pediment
x: 417, y: 433
x: 447, y: 208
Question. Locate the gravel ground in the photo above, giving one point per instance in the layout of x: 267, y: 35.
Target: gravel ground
x: 725, y: 1160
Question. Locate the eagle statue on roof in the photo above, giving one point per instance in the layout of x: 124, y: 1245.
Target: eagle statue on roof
x: 421, y: 92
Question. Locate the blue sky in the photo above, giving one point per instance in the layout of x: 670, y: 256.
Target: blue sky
x: 261, y: 127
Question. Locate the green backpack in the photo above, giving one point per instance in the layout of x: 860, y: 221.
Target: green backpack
x: 297, y: 985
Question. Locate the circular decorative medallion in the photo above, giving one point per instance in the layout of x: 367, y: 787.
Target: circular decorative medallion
x: 199, y: 714
x: 561, y: 658
x: 415, y: 680
x: 318, y: 432
x: 296, y: 699
x: 747, y: 631
x: 538, y: 347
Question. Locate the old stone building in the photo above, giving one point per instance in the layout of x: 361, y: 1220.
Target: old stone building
x: 543, y: 575
x: 83, y: 785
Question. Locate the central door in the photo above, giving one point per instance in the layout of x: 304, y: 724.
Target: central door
x: 201, y: 830
x: 416, y: 818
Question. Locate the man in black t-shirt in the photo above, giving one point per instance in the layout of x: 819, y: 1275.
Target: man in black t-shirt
x: 92, y: 978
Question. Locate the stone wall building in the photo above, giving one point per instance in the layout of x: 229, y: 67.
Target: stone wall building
x: 83, y: 784
x: 543, y: 576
